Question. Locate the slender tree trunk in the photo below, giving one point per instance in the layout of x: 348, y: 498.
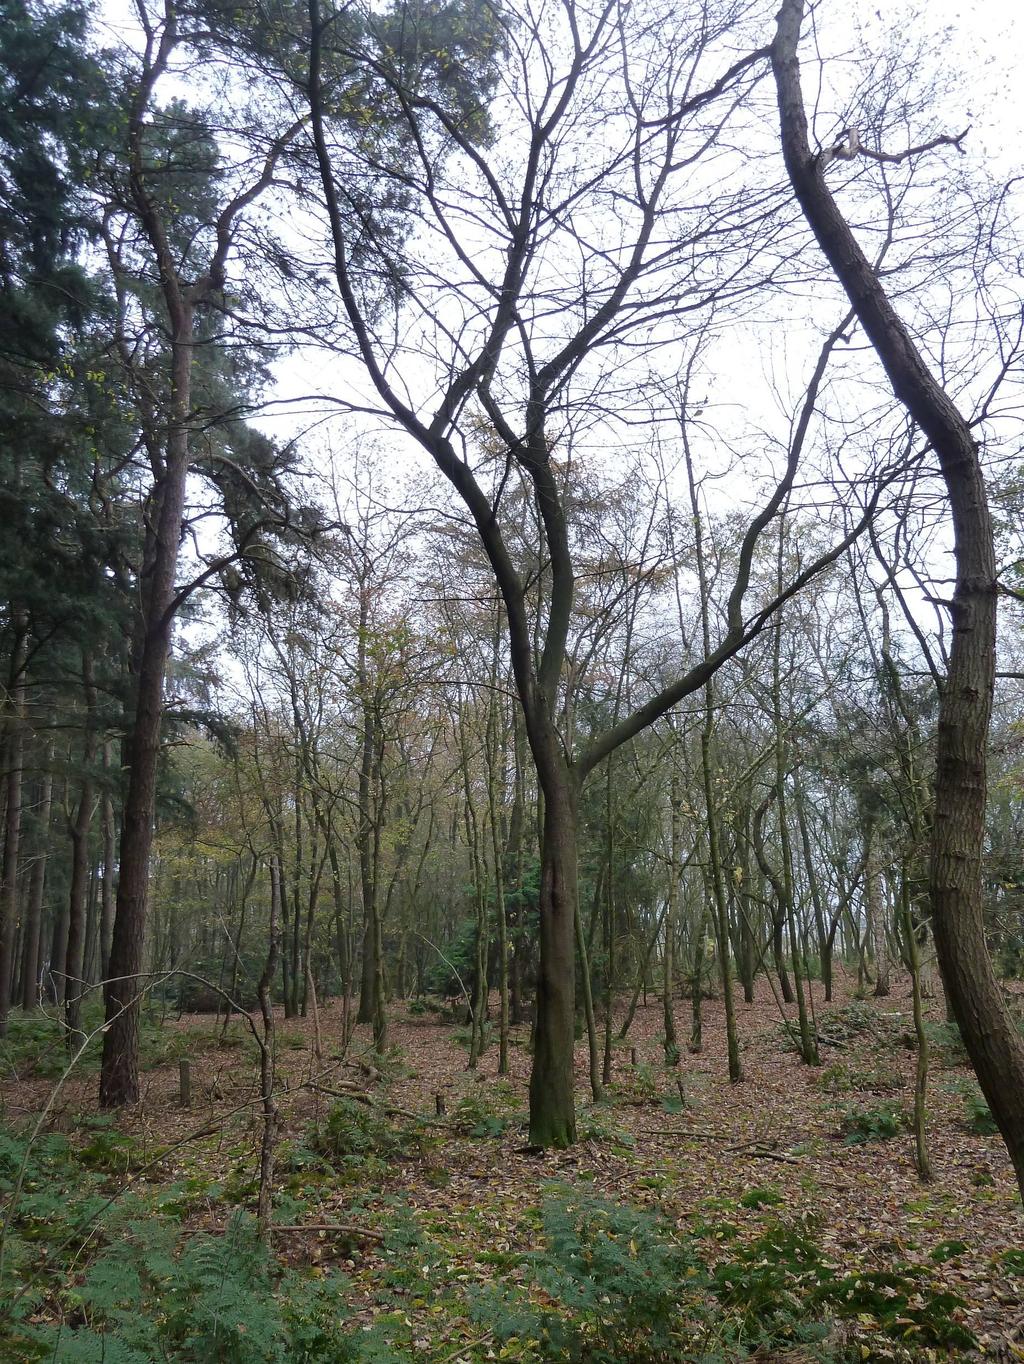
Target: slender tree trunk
x: 609, y: 922
x: 921, y: 1158
x: 109, y: 888
x: 811, y: 871
x: 697, y: 983
x: 364, y: 832
x: 317, y: 862
x: 78, y: 891
x: 12, y: 813
x: 471, y: 818
x: 236, y: 955
x: 778, y: 889
x: 784, y: 885
x: 721, y: 905
x: 268, y: 1139
x: 876, y: 918
x: 593, y: 1046
x: 744, y: 903
x: 77, y: 898
x: 671, y: 924
x: 92, y: 924
x: 715, y: 874
x: 36, y: 893
x: 494, y: 751
x: 293, y: 941
x: 380, y: 1012
x: 808, y: 1034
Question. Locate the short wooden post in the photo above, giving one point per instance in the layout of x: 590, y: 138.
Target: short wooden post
x: 439, y: 1104
x: 632, y: 1055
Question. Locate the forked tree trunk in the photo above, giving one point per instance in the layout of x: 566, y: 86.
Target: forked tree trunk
x: 965, y: 707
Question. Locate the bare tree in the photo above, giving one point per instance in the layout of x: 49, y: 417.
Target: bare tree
x: 528, y: 308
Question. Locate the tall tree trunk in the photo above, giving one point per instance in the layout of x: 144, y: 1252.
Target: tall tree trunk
x: 876, y: 917
x: 79, y: 828
x: 811, y: 872
x: 474, y: 841
x: 552, y: 1104
x: 36, y: 892
x: 921, y: 1157
x: 109, y: 867
x: 268, y: 1138
x: 716, y: 877
x: 671, y: 924
x: 119, y: 1073
x: 12, y: 813
x: 611, y: 966
x: 236, y: 952
x: 779, y: 905
x: 721, y: 904
x: 698, y: 948
x: 495, y: 758
x: 364, y: 832
x: 586, y: 984
x: 743, y: 898
x: 965, y: 706
x: 292, y: 943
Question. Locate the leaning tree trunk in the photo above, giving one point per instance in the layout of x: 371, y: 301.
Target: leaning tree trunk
x: 965, y: 707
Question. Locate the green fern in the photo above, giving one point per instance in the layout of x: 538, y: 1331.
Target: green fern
x: 202, y: 1299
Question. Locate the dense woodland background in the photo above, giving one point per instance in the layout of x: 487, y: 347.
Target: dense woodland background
x: 503, y: 531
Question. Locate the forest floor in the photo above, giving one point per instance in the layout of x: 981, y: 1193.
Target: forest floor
x: 794, y: 1193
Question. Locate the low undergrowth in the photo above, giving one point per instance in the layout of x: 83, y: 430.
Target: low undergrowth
x: 92, y: 1272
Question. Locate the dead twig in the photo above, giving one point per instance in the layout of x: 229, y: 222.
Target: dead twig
x: 334, y: 1228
